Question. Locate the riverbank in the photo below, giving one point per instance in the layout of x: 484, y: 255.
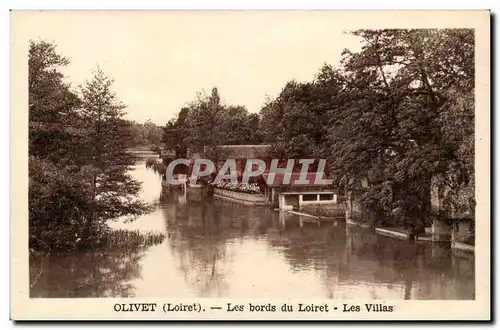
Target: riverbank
x: 143, y: 153
x: 104, y: 240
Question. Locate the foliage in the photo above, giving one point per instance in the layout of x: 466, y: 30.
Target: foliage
x: 398, y: 114
x: 78, y: 164
x: 156, y: 166
x: 147, y: 135
x: 113, y: 189
x: 206, y: 123
x: 129, y: 239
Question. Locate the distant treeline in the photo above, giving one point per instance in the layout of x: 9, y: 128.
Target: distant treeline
x: 147, y: 136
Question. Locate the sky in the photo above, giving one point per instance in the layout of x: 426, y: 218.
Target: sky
x: 159, y: 60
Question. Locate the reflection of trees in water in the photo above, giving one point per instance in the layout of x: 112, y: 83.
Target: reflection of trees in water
x: 200, y: 231
x: 422, y: 270
x: 200, y: 247
x: 308, y: 244
x: 344, y: 255
x: 81, y: 275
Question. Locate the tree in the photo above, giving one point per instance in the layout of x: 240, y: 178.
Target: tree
x: 296, y: 122
x: 391, y: 130
x: 152, y: 134
x: 176, y: 133
x: 57, y: 191
x: 78, y: 163
x: 212, y: 118
x: 398, y: 114
x: 240, y: 127
x: 52, y: 106
x: 114, y: 192
x: 59, y: 204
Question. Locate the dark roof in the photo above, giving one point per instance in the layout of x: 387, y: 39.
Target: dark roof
x: 241, y: 151
x: 279, y: 178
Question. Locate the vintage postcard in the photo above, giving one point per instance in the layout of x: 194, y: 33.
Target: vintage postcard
x: 250, y: 165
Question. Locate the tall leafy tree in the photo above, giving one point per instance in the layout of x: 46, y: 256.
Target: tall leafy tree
x: 239, y: 126
x: 58, y: 200
x: 53, y: 105
x: 396, y: 117
x: 78, y: 161
x: 114, y: 192
x: 391, y: 131
x: 296, y: 122
x: 176, y: 133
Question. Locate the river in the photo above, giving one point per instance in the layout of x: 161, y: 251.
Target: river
x: 216, y: 248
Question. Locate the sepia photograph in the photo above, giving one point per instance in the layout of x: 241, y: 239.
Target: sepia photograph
x: 250, y: 165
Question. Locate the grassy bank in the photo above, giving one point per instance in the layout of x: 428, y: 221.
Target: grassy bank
x: 132, y: 239
x: 104, y: 240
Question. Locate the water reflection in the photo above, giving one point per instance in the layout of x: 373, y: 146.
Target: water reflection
x: 216, y: 248
x: 97, y: 274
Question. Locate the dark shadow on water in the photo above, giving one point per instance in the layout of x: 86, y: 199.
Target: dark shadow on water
x: 202, y: 228
x: 82, y: 275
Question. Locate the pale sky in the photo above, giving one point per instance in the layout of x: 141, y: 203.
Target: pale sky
x: 159, y: 60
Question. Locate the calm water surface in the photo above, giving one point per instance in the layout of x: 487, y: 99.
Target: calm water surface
x: 216, y: 248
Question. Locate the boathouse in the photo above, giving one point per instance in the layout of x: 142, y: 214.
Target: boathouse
x: 293, y: 194
x: 282, y: 193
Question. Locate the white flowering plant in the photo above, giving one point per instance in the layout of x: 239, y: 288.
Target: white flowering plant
x: 249, y: 188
